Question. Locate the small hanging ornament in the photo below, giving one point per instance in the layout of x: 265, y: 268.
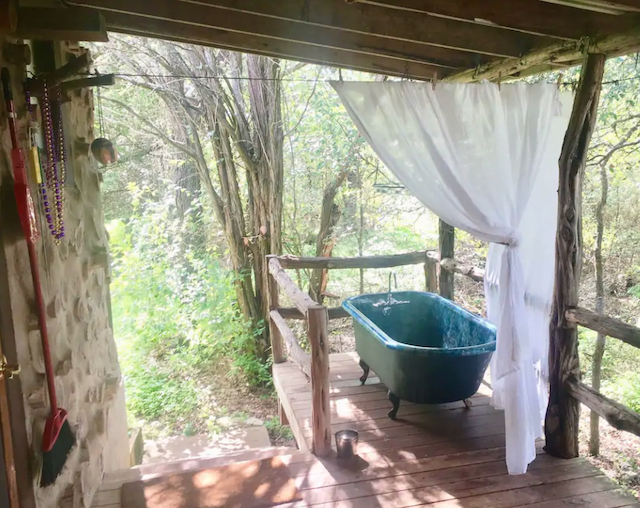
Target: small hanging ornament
x: 102, y: 148
x: 104, y: 151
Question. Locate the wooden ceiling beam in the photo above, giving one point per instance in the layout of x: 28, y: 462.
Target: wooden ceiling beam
x: 179, y: 32
x: 247, y: 25
x: 565, y: 52
x: 74, y: 24
x: 631, y: 4
x: 296, y: 19
x: 601, y: 5
x: 532, y: 16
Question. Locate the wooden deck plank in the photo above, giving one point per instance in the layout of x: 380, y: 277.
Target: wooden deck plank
x: 437, y: 497
x: 438, y: 477
x: 604, y: 499
x: 404, y: 495
x: 443, y: 456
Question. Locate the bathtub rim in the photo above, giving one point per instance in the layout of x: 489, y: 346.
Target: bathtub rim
x: 356, y: 314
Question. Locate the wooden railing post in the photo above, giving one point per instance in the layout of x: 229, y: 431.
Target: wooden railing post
x: 431, y: 275
x: 274, y: 333
x: 563, y: 413
x: 318, y: 334
x: 447, y: 237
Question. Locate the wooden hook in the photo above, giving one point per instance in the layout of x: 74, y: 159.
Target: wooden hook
x: 499, y: 80
x: 434, y: 80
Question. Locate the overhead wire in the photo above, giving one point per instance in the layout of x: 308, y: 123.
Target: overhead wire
x: 310, y: 80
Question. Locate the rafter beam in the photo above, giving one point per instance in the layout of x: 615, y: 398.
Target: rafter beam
x: 565, y: 52
x: 532, y: 16
x: 179, y: 32
x: 303, y: 21
x: 610, y: 6
x: 281, y: 32
x: 77, y: 24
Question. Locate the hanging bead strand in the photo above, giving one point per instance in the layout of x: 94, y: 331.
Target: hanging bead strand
x: 62, y: 173
x: 50, y: 166
x: 43, y: 183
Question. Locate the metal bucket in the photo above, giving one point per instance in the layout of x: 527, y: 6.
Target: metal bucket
x: 347, y: 443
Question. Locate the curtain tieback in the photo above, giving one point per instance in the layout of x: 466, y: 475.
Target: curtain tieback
x: 512, y: 241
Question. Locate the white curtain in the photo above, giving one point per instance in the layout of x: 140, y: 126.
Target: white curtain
x: 484, y: 159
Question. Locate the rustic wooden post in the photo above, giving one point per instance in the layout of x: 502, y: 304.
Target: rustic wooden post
x: 446, y: 247
x: 274, y: 333
x: 318, y: 334
x: 563, y: 413
x: 431, y: 275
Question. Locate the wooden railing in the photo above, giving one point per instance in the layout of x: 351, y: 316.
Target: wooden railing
x: 315, y: 365
x: 617, y: 415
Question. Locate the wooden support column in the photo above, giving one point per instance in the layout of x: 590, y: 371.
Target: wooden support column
x: 563, y: 413
x: 274, y: 333
x: 318, y: 333
x: 446, y: 247
x: 431, y: 275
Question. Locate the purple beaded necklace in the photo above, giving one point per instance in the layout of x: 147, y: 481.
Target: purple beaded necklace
x: 55, y: 167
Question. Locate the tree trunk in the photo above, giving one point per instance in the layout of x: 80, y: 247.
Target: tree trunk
x: 563, y: 412
x: 361, y: 237
x: 266, y: 177
x: 325, y: 241
x: 187, y: 198
x: 596, y: 369
x: 447, y: 250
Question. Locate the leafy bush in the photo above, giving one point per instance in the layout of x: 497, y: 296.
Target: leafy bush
x: 174, y: 312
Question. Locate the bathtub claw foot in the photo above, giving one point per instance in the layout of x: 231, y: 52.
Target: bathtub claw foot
x: 468, y: 403
x: 395, y: 400
x: 365, y: 368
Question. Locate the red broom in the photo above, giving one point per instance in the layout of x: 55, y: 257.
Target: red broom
x: 58, y: 439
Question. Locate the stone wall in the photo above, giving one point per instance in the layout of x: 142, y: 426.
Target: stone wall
x: 75, y: 282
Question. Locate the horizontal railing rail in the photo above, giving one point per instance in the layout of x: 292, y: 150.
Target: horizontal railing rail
x: 293, y: 313
x: 617, y: 415
x: 606, y: 325
x: 299, y: 298
x: 411, y: 258
x: 296, y: 353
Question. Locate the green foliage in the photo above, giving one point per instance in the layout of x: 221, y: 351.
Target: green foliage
x: 620, y: 376
x: 174, y: 312
x: 278, y: 432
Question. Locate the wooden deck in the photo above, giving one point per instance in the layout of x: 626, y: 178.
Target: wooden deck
x: 444, y: 456
x: 439, y: 456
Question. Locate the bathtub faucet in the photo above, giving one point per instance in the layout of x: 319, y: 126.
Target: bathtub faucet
x: 395, y: 278
x: 390, y: 299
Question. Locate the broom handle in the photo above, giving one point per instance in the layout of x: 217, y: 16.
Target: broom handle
x: 42, y: 322
x: 27, y: 220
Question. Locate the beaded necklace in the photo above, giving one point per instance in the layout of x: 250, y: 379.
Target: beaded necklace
x: 33, y: 130
x: 56, y: 164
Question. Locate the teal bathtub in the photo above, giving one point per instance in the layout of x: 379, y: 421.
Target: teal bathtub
x: 424, y: 348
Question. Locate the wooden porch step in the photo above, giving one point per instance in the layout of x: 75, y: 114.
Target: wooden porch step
x: 109, y: 494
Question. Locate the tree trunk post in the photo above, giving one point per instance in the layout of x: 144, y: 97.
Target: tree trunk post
x: 596, y: 369
x: 563, y: 412
x: 431, y: 276
x: 274, y: 333
x: 318, y: 334
x: 446, y: 247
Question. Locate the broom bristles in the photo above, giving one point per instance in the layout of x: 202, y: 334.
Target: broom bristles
x: 53, y: 461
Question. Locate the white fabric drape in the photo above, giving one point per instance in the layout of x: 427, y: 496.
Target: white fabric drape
x: 483, y: 158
